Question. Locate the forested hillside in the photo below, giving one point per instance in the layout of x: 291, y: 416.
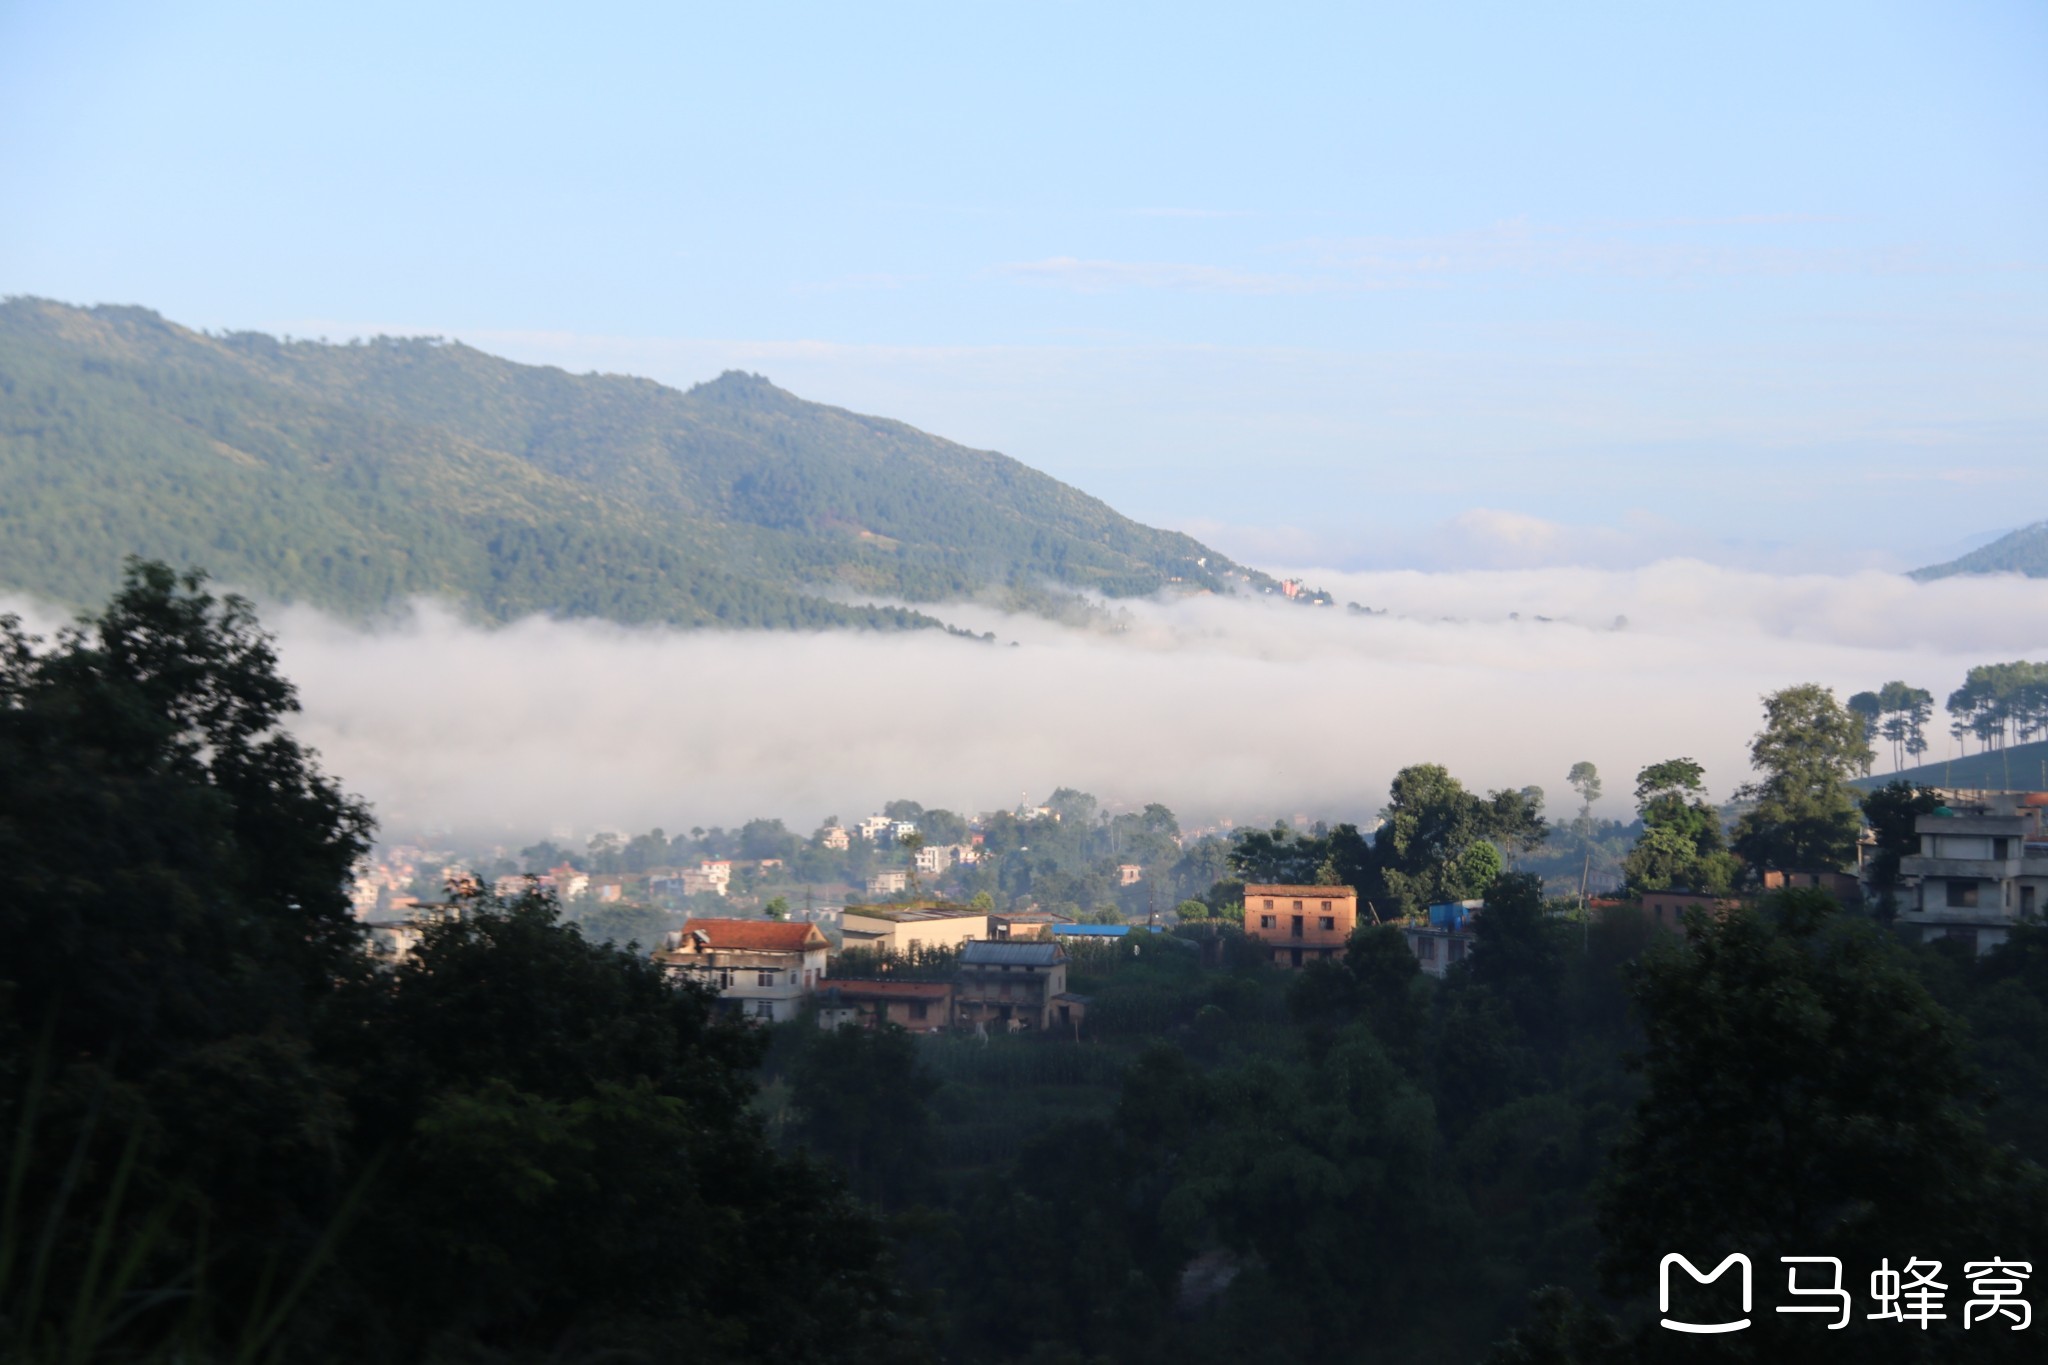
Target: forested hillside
x: 355, y: 476
x: 2024, y: 551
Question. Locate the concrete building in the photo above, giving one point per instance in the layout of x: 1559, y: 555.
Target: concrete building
x: 835, y: 837
x: 761, y: 969
x: 888, y: 883
x: 1982, y: 868
x: 919, y: 1006
x: 1666, y: 909
x: 1013, y: 987
x: 1300, y: 924
x: 1129, y: 874
x: 908, y: 928
x: 1025, y: 924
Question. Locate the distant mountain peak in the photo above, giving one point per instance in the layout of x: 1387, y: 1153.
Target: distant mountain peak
x: 2024, y: 551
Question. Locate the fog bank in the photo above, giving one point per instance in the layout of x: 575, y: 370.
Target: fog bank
x: 1239, y: 708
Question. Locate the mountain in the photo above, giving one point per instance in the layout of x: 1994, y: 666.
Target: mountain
x: 2024, y: 551
x: 355, y: 476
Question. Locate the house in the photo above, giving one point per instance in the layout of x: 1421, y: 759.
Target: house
x: 888, y: 883
x: 717, y: 869
x: 902, y: 829
x: 1012, y: 987
x: 1444, y: 937
x: 568, y: 882
x: 919, y: 1006
x: 1982, y: 868
x: 909, y: 928
x: 874, y: 827
x: 761, y: 969
x: 688, y: 882
x: 1129, y: 874
x: 835, y: 837
x: 1025, y: 924
x: 1666, y: 909
x: 934, y: 859
x: 1300, y: 924
x: 1843, y: 886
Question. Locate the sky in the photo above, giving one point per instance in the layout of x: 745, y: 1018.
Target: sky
x: 1360, y: 287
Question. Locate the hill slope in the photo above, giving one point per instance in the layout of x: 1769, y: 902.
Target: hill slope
x: 2024, y: 551
x: 2017, y: 767
x: 355, y: 476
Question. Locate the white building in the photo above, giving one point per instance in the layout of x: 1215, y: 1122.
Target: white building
x: 887, y: 883
x: 761, y: 969
x: 1982, y: 868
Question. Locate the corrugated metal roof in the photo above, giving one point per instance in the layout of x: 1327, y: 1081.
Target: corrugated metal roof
x: 1091, y: 930
x: 980, y: 953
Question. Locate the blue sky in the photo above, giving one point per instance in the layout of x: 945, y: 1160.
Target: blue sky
x: 1359, y: 285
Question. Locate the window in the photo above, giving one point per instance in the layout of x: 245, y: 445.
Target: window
x: 1328, y: 923
x: 1295, y: 931
x: 764, y: 978
x: 1457, y: 950
x: 792, y: 978
x: 1962, y: 895
x: 1266, y: 921
x: 1326, y: 906
x: 1297, y: 905
x: 918, y: 1009
x: 1425, y: 949
x: 1267, y: 906
x: 1297, y: 957
x: 2001, y: 849
x: 764, y: 1009
x: 725, y: 978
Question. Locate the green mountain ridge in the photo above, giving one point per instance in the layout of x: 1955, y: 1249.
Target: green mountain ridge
x: 2024, y: 551
x: 2017, y: 767
x: 353, y: 477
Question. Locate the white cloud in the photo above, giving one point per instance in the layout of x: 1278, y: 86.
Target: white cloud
x: 1217, y: 707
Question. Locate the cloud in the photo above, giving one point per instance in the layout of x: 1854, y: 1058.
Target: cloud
x: 1240, y: 708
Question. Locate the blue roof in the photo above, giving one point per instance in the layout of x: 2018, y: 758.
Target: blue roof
x: 1092, y: 930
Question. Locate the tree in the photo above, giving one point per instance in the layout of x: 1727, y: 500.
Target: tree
x: 1893, y: 812
x: 1585, y: 780
x: 1429, y: 825
x: 1804, y: 814
x: 1804, y: 1095
x: 863, y: 1100
x: 172, y: 862
x: 1682, y: 843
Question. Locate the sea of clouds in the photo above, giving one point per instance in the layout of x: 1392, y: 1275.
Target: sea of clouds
x: 1223, y: 708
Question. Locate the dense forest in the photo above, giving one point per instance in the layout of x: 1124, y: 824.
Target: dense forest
x: 355, y: 476
x: 230, y: 1137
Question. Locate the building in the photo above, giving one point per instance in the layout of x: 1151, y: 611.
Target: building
x: 1013, y: 987
x: 874, y: 827
x: 1666, y: 909
x: 1025, y: 924
x: 888, y: 883
x: 688, y: 882
x: 1129, y: 874
x: 934, y: 859
x: 1843, y: 886
x: 1445, y: 937
x: 1300, y: 924
x: 910, y: 928
x: 835, y: 837
x: 919, y: 1006
x: 762, y: 969
x: 1982, y: 868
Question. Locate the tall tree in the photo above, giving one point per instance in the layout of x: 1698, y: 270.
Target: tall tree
x: 1682, y: 843
x: 1585, y: 780
x: 1804, y: 814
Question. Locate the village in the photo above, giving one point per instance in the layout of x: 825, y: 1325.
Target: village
x: 927, y: 963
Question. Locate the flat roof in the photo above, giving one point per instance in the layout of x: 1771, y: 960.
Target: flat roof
x: 1302, y: 892
x: 916, y: 914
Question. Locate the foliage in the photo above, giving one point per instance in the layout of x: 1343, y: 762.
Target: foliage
x: 514, y: 1145
x: 1893, y: 812
x: 357, y: 477
x: 1682, y: 843
x: 1805, y: 1095
x: 1803, y: 815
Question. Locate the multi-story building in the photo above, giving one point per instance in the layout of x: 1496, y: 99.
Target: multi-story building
x: 1444, y: 936
x: 908, y: 928
x: 887, y: 883
x: 835, y: 837
x: 761, y: 969
x: 1300, y: 924
x: 1982, y: 868
x: 1013, y: 987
